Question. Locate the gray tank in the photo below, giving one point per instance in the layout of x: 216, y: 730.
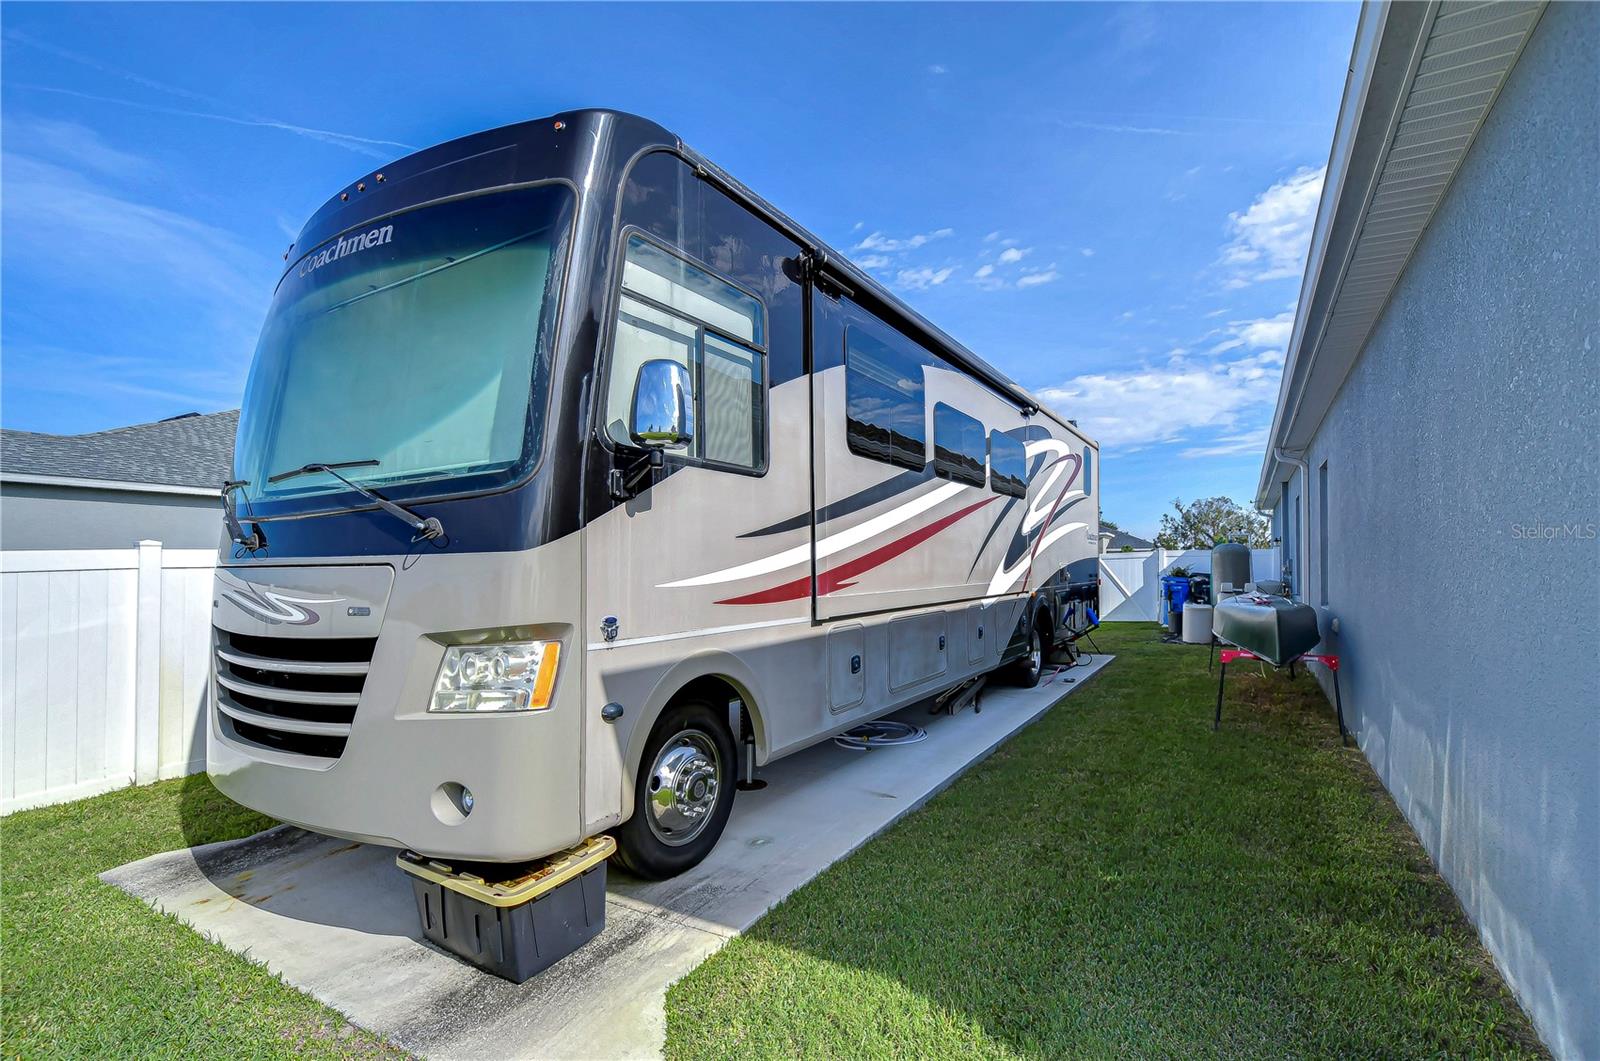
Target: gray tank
x: 1230, y: 569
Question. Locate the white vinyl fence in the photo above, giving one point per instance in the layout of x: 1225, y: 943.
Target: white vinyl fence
x: 1130, y: 583
x: 104, y: 655
x: 103, y: 664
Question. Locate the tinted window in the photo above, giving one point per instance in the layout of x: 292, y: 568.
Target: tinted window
x: 885, y: 417
x: 418, y: 344
x: 958, y: 445
x: 674, y: 310
x: 1008, y: 465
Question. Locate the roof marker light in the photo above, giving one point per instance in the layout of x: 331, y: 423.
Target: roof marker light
x: 560, y: 126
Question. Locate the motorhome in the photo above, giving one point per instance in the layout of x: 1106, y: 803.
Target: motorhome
x: 575, y: 483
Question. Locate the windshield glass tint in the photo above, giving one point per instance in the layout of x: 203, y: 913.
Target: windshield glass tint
x: 417, y: 342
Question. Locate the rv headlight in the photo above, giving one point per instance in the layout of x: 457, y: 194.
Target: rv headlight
x: 516, y: 676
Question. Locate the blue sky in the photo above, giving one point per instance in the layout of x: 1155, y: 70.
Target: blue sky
x: 1111, y: 203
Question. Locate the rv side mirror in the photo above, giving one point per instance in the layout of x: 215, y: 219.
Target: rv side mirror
x: 663, y: 406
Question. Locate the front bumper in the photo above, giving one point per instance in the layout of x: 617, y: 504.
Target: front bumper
x: 390, y: 781
x: 386, y: 788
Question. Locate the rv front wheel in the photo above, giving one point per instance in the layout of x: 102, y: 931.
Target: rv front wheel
x: 683, y: 794
x: 1027, y: 671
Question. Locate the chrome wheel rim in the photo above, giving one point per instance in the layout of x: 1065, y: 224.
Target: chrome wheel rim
x: 683, y: 785
x: 1035, y: 654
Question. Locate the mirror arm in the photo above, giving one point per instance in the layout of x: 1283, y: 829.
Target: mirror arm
x: 624, y: 482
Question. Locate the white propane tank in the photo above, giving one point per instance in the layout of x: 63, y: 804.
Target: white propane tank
x: 1197, y: 624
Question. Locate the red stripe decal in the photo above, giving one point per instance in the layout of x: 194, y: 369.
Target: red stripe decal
x: 839, y: 577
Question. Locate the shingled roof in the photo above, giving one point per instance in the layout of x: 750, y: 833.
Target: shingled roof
x: 186, y: 451
x: 1124, y: 540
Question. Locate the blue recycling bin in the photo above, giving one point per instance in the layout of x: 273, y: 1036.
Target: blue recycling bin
x: 1174, y: 592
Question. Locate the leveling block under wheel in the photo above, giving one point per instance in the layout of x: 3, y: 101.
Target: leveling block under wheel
x: 513, y: 920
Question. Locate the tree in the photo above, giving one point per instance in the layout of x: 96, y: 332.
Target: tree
x: 1107, y: 525
x: 1211, y: 521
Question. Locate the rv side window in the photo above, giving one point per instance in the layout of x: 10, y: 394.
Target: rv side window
x: 674, y: 310
x: 885, y: 418
x: 733, y: 428
x: 958, y: 445
x: 1008, y: 465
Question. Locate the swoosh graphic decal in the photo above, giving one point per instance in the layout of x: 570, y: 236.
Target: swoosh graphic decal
x: 272, y: 605
x: 840, y: 577
x: 888, y: 488
x: 1005, y: 510
x: 1016, y: 565
x: 845, y: 539
x: 845, y: 506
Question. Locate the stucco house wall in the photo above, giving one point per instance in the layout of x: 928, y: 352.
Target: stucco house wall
x: 112, y: 489
x: 1463, y: 457
x: 37, y: 516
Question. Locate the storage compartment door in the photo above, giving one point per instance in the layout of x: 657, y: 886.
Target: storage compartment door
x: 847, y: 667
x: 917, y: 650
x: 980, y: 638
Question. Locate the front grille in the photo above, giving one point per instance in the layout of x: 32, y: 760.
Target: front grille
x: 291, y: 694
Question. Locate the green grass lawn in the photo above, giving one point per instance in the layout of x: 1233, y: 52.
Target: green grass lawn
x: 88, y: 971
x: 1117, y: 879
x: 1120, y: 880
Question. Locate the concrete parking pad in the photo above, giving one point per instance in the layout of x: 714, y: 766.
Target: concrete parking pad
x: 337, y: 919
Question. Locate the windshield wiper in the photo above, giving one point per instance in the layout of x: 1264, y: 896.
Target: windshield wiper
x: 427, y: 529
x: 255, y: 539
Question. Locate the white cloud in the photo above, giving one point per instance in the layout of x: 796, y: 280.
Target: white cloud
x: 1014, y: 254
x: 65, y: 222
x: 76, y: 145
x: 877, y: 241
x: 923, y: 278
x: 1268, y: 333
x: 991, y: 237
x: 1170, y: 403
x: 1270, y: 237
x: 1111, y: 127
x: 937, y: 69
x: 1035, y: 279
x: 1087, y: 252
x: 88, y: 235
x: 360, y: 144
x: 1252, y: 441
x: 85, y: 234
x: 983, y: 272
x: 115, y: 378
x: 874, y: 261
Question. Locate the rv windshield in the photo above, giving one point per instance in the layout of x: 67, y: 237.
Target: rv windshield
x: 420, y: 342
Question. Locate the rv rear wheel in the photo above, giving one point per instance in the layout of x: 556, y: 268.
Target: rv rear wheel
x: 683, y: 794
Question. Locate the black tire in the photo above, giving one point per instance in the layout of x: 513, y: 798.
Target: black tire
x: 1026, y: 672
x: 656, y: 842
